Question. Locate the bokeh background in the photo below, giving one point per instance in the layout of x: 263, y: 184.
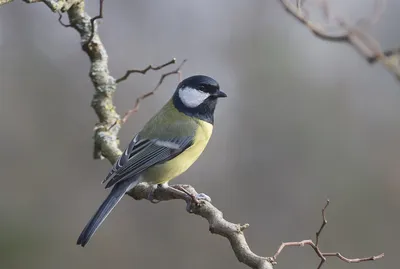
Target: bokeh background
x: 305, y: 120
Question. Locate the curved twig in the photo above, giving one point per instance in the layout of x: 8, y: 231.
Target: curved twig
x: 150, y: 93
x: 217, y: 224
x: 106, y: 142
x: 144, y: 71
x: 362, y: 41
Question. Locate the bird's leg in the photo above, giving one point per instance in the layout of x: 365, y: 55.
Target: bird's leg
x: 195, y: 198
x: 199, y: 196
x: 151, y: 198
x: 179, y: 191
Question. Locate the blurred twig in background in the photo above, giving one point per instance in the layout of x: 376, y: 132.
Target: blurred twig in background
x: 107, y: 129
x: 356, y: 35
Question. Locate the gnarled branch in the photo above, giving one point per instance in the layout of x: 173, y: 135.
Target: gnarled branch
x: 106, y: 142
x: 315, y: 247
x: 217, y: 224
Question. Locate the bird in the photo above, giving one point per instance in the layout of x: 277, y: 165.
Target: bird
x: 168, y: 144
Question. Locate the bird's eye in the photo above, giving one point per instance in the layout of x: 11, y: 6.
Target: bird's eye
x: 202, y: 88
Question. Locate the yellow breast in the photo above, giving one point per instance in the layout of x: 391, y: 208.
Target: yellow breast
x: 165, y: 172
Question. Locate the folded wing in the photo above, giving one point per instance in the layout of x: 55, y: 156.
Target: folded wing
x: 142, y: 154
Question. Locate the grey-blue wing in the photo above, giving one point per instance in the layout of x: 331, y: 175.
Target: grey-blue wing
x: 142, y: 154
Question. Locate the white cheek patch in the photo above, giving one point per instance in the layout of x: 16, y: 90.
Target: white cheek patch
x: 191, y: 97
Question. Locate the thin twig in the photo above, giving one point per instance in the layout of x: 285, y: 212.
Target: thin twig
x: 320, y: 254
x: 105, y: 86
x: 356, y: 260
x: 144, y: 96
x: 297, y: 11
x: 324, y: 222
x: 144, y: 71
x: 387, y: 53
x: 61, y: 22
x: 92, y: 23
x: 363, y: 42
x: 217, y: 224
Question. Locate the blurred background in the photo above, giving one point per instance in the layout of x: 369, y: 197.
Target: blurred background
x: 305, y: 120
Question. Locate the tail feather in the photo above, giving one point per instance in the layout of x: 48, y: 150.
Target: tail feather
x: 104, y: 210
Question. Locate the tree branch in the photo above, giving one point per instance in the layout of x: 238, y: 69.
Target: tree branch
x: 3, y: 2
x: 93, y: 25
x: 354, y: 35
x: 60, y: 16
x: 324, y: 222
x: 217, y: 224
x: 106, y: 142
x: 315, y: 247
x: 144, y: 71
x: 234, y: 232
x: 150, y: 93
x: 56, y: 5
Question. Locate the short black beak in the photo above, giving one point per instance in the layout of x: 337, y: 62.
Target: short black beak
x: 220, y: 94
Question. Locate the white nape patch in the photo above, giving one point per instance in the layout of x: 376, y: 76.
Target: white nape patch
x: 167, y: 144
x: 191, y: 97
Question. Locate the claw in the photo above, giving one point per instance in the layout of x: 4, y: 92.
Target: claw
x: 193, y: 198
x: 203, y: 196
x: 180, y: 190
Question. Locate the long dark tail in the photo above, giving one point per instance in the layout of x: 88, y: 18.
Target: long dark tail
x: 104, y: 210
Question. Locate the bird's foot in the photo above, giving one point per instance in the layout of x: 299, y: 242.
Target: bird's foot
x: 190, y: 198
x: 190, y: 195
x: 182, y: 192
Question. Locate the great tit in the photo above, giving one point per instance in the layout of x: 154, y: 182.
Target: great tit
x: 167, y: 146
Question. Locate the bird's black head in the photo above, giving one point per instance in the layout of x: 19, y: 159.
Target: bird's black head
x: 197, y: 97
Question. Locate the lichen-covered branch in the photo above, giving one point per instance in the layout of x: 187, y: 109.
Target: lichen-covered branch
x: 105, y: 139
x: 57, y: 5
x: 106, y: 142
x: 234, y: 232
x: 217, y: 224
x: 106, y: 130
x: 2, y: 2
